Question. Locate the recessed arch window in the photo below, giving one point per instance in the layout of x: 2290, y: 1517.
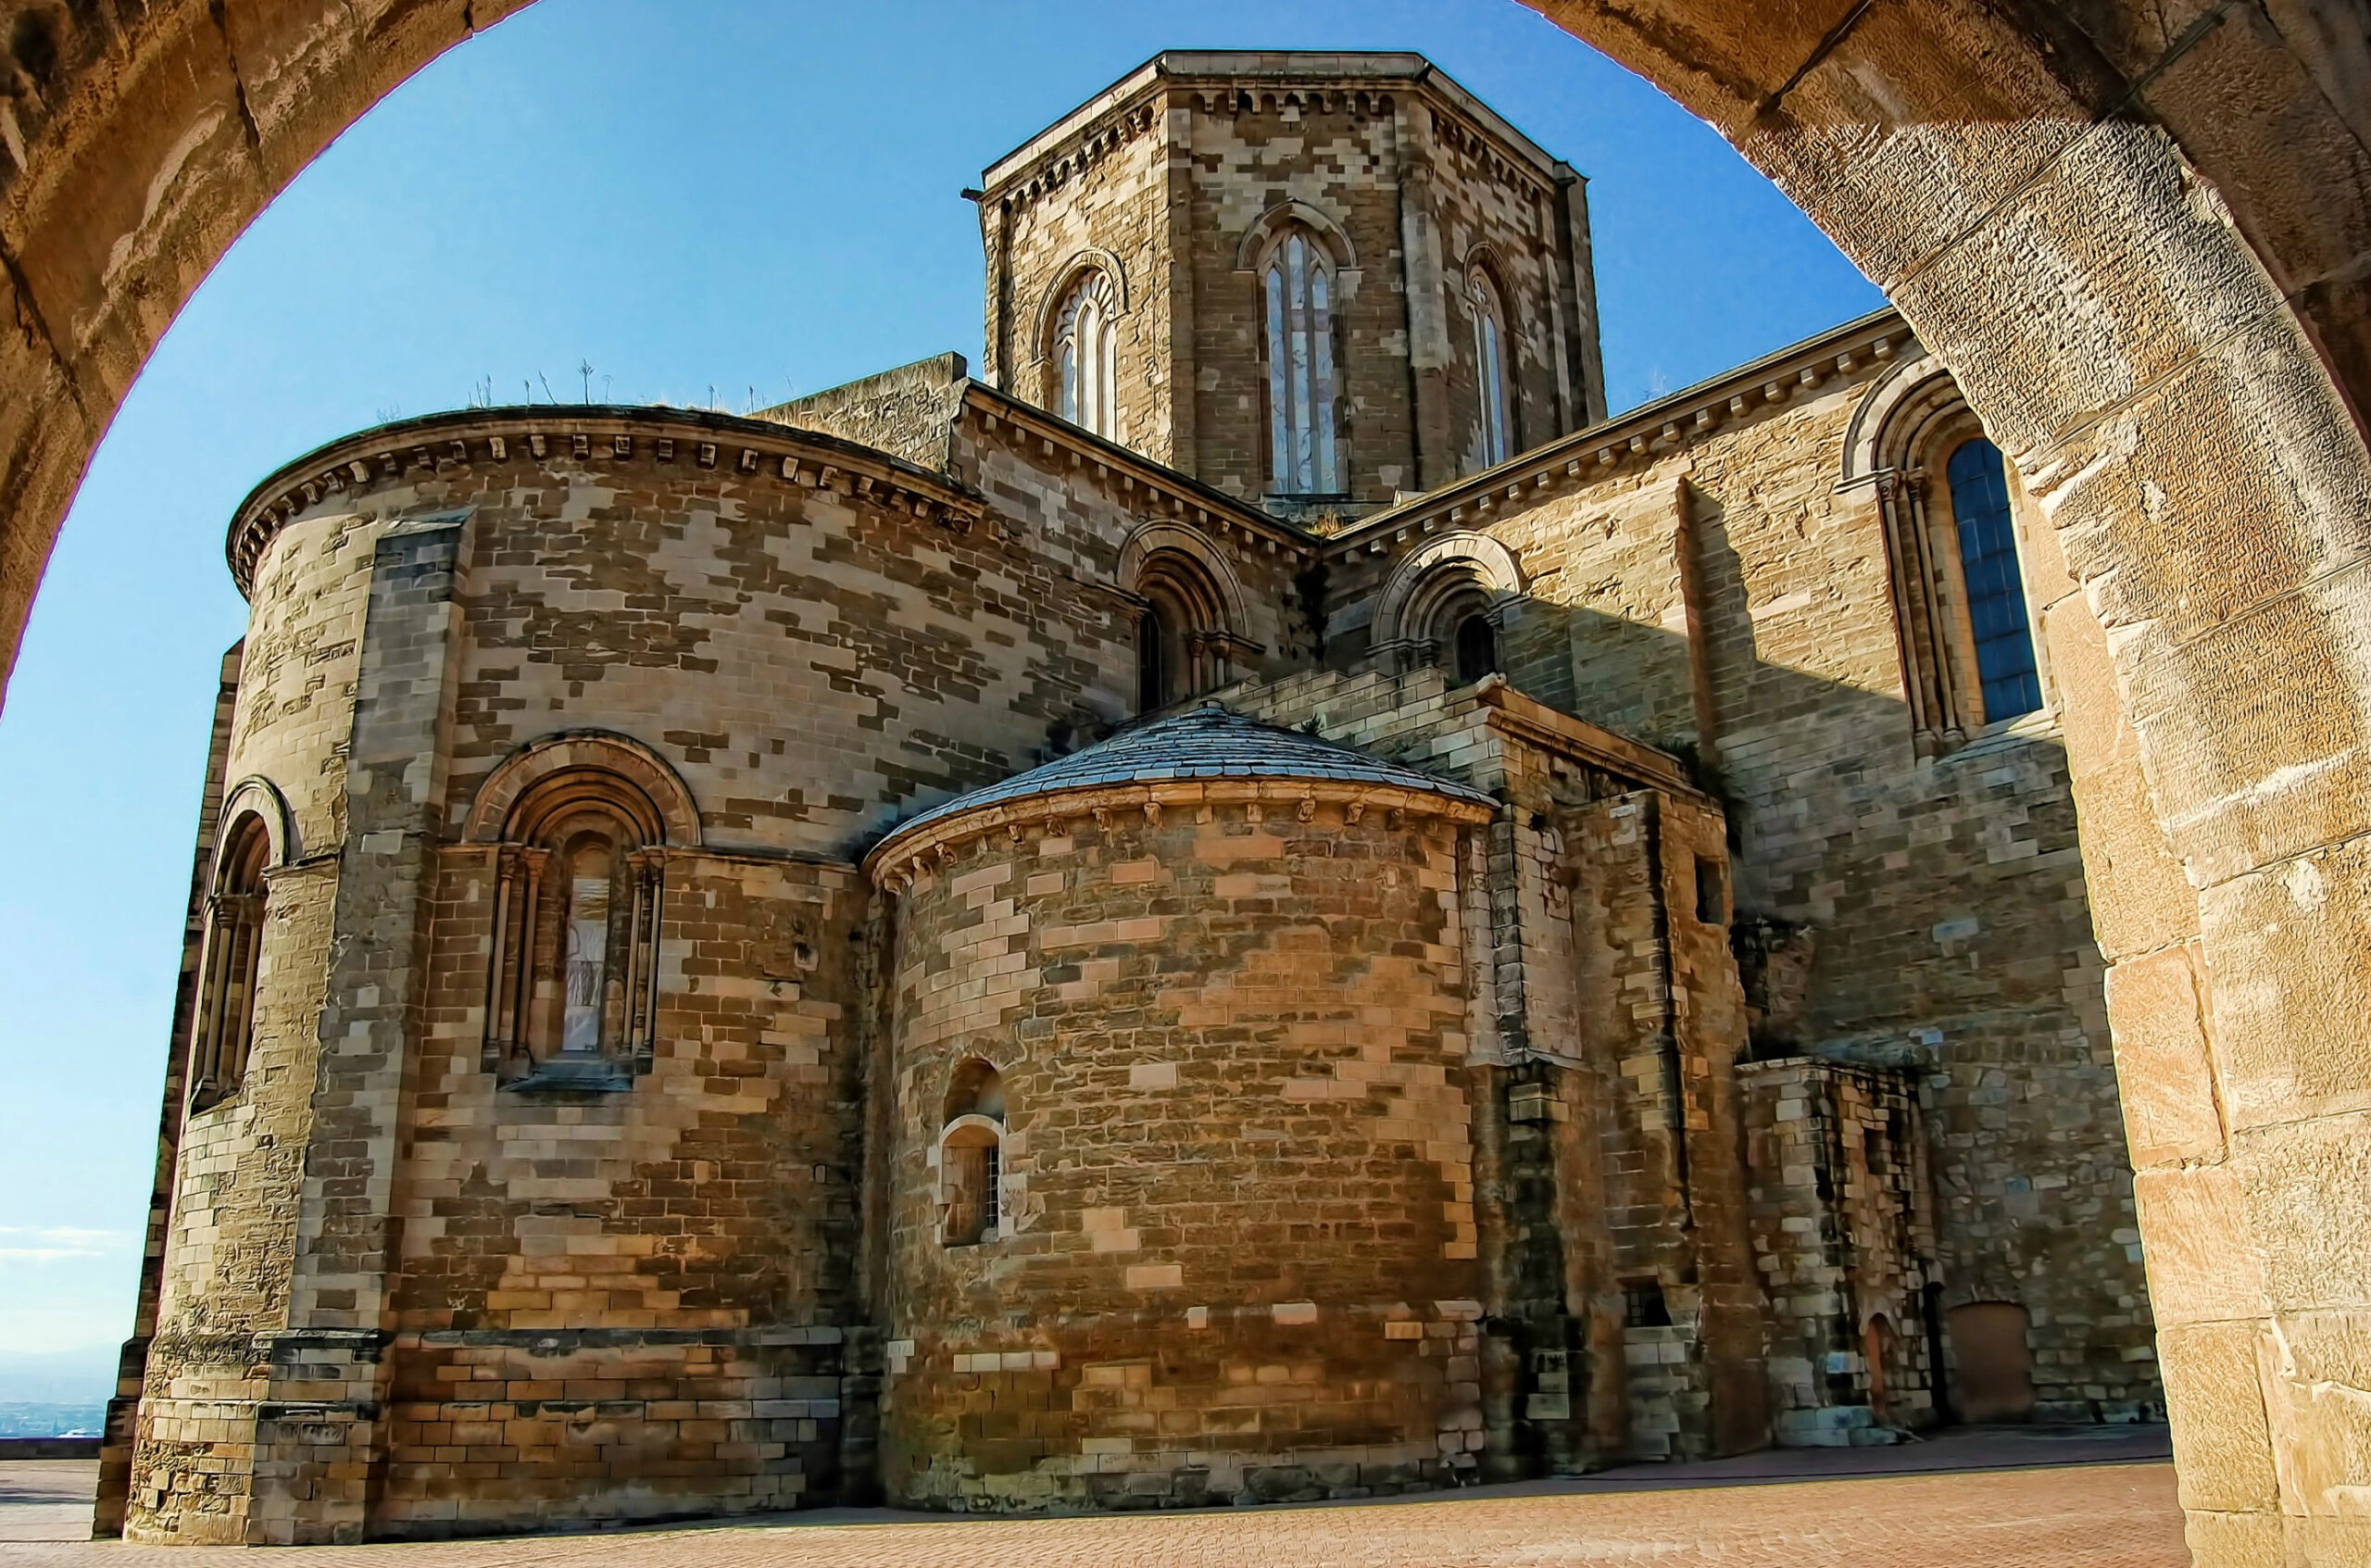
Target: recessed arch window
x: 1996, y: 589
x: 572, y: 991
x: 1182, y: 632
x: 1490, y: 359
x: 971, y: 1156
x: 1296, y: 289
x: 1947, y: 501
x: 230, y: 963
x: 1086, y: 355
x: 1477, y: 646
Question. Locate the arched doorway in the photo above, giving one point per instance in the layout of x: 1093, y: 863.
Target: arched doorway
x: 2134, y: 240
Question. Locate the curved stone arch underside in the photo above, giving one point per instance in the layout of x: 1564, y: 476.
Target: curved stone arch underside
x: 2137, y: 243
x: 1148, y: 544
x: 621, y: 758
x: 1474, y: 557
x: 261, y: 798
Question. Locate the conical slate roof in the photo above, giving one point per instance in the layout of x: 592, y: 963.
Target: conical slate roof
x: 1202, y: 742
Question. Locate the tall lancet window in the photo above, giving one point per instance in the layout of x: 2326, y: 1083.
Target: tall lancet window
x: 1490, y: 366
x: 1087, y: 356
x: 1297, y: 288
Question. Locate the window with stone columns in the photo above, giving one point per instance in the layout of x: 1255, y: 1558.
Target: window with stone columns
x: 229, y: 962
x: 579, y: 887
x: 1492, y: 379
x: 1297, y: 291
x: 1183, y: 639
x: 1948, y: 503
x: 970, y: 1157
x: 1086, y: 355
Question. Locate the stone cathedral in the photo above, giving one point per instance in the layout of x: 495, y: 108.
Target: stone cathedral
x: 1258, y: 901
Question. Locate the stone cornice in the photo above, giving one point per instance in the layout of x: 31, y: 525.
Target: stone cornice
x: 1219, y: 80
x: 1154, y: 490
x: 1554, y: 730
x: 914, y: 856
x: 689, y: 440
x: 1643, y: 435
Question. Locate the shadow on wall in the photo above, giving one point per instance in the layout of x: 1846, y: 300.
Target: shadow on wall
x: 1919, y: 913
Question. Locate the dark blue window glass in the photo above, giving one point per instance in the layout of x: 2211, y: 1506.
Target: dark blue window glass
x: 1996, y: 591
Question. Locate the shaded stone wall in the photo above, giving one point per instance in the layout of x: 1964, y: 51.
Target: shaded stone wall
x: 1239, y: 1251
x: 1839, y: 1197
x: 1941, y: 901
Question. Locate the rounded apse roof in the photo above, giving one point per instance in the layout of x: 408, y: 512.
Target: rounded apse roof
x: 1206, y: 743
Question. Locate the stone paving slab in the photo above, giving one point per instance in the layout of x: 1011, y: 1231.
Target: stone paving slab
x: 2120, y: 1515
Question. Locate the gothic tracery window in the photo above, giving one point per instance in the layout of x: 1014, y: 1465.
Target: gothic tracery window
x: 1297, y: 294
x: 1948, y: 505
x: 1087, y: 356
x: 1490, y: 366
x: 229, y: 964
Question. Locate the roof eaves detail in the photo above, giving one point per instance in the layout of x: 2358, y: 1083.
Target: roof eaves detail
x: 749, y: 448
x: 1647, y: 434
x: 1155, y: 490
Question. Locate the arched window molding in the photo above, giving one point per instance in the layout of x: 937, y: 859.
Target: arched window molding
x: 1446, y: 604
x: 1189, y: 632
x: 1959, y: 610
x: 1298, y: 291
x: 970, y: 1157
x: 253, y: 842
x: 1084, y: 354
x: 1494, y: 378
x: 585, y: 822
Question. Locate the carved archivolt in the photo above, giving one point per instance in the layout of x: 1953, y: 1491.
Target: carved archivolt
x: 638, y: 770
x: 1451, y: 568
x: 1280, y: 220
x: 583, y: 823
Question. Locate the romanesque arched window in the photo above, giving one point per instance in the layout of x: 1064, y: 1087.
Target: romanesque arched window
x: 1946, y: 504
x: 1297, y: 298
x: 1478, y: 645
x: 971, y: 1156
x: 229, y: 962
x: 1183, y: 638
x: 1998, y: 622
x: 579, y: 829
x: 1491, y: 367
x: 1444, y: 606
x: 1086, y: 355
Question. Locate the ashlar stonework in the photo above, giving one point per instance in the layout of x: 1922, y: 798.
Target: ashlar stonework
x: 1262, y: 903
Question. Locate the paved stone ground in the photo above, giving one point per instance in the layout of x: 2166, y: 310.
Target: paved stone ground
x: 1947, y: 1504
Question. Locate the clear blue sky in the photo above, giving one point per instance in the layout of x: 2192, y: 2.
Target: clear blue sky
x: 750, y: 196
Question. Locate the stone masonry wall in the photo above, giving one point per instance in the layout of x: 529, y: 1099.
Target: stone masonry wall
x: 637, y: 1305
x: 231, y: 1234
x: 1843, y: 1225
x: 1239, y: 1257
x: 1947, y: 926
